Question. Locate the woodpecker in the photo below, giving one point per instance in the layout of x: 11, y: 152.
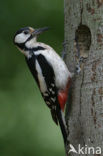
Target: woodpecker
x: 49, y: 71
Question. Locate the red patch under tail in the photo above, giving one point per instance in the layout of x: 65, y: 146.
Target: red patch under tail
x: 63, y: 95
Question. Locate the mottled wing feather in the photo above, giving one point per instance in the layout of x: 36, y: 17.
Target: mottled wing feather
x: 54, y: 116
x: 47, y: 71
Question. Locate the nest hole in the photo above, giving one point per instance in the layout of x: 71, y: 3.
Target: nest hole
x: 83, y: 40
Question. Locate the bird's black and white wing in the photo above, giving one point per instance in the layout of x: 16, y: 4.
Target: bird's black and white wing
x: 44, y: 76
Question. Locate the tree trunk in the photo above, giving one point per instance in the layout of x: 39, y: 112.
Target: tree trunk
x: 84, y: 22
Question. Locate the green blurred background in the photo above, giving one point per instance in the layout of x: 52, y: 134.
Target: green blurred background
x: 26, y: 127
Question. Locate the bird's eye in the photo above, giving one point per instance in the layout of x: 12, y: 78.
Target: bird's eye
x: 26, y: 32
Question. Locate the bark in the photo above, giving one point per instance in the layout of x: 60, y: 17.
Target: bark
x: 84, y: 21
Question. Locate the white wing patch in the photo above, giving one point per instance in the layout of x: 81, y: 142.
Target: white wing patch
x: 42, y: 84
x: 60, y: 69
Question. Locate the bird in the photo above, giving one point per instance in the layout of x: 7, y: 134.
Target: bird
x: 49, y: 71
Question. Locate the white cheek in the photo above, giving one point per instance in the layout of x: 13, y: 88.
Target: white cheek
x: 21, y: 38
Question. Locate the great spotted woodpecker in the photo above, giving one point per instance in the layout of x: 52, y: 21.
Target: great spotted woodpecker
x: 49, y: 71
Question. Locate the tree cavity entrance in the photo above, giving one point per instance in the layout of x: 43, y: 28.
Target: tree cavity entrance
x: 82, y: 41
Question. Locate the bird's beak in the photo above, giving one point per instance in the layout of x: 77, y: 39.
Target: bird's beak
x: 39, y: 31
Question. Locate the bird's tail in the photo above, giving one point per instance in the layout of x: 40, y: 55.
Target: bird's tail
x: 62, y: 123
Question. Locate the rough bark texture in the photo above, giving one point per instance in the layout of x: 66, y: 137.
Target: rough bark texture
x: 84, y: 18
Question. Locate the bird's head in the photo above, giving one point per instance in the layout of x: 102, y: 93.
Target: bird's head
x: 27, y: 34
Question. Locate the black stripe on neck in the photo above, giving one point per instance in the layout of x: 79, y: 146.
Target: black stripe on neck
x: 38, y: 48
x: 23, y: 47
